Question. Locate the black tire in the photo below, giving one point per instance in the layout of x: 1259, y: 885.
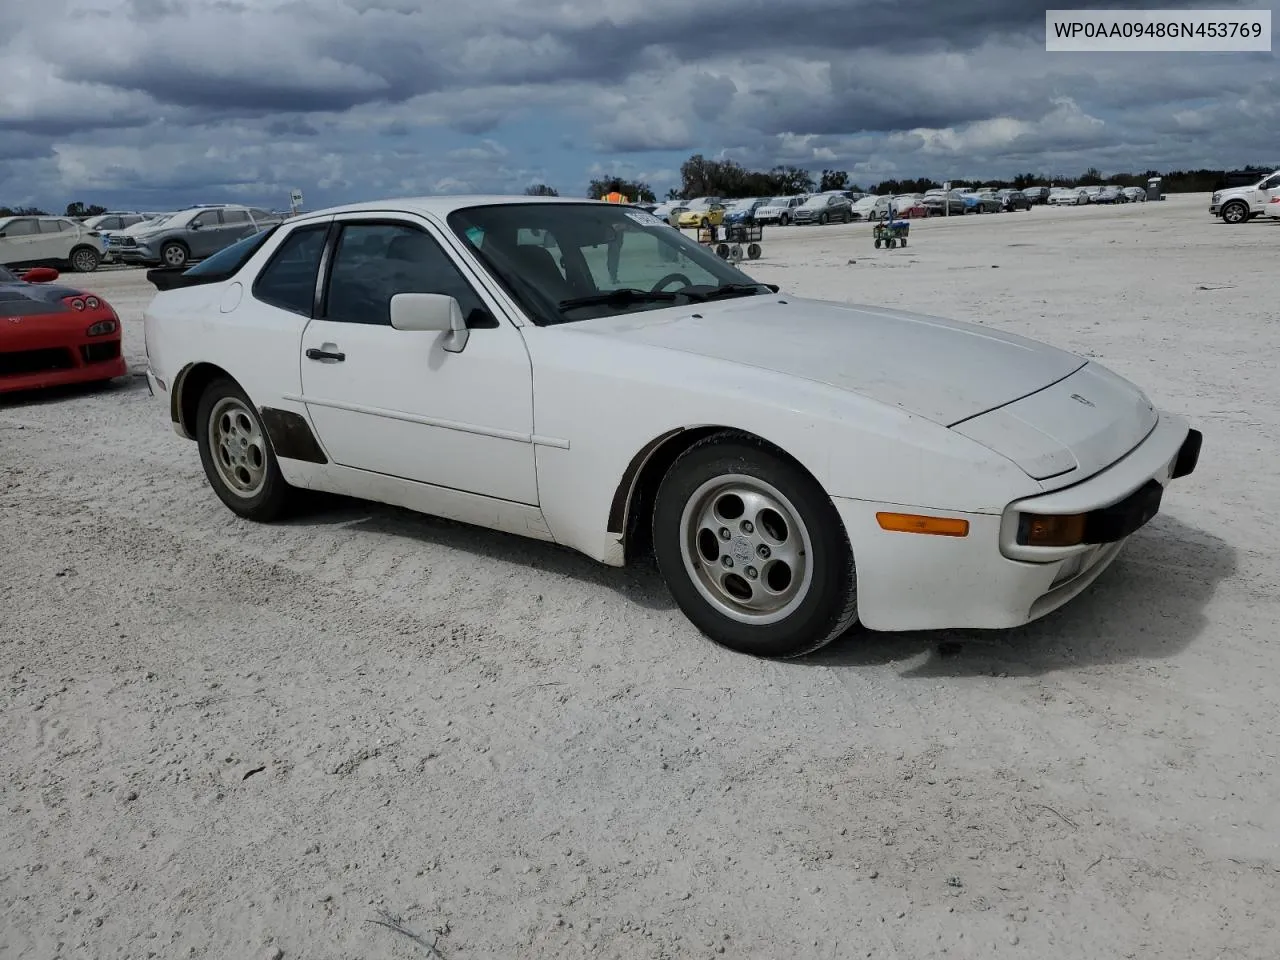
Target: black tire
x: 877, y: 244
x: 904, y: 241
x: 174, y: 254
x: 753, y: 251
x: 1235, y: 211
x: 823, y: 611
x: 275, y: 496
x: 783, y: 220
x: 822, y: 219
x: 84, y: 259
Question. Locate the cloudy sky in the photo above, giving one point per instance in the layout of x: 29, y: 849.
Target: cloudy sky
x: 150, y: 104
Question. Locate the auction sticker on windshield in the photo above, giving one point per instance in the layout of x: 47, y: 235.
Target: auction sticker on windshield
x: 645, y: 219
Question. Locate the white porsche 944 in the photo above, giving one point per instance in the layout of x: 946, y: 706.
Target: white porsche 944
x: 581, y: 373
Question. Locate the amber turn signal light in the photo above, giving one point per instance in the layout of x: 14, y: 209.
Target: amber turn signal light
x: 915, y: 523
x: 1036, y: 530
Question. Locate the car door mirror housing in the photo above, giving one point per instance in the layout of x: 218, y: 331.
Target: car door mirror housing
x: 431, y: 312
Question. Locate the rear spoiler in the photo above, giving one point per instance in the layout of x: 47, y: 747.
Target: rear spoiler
x: 171, y: 278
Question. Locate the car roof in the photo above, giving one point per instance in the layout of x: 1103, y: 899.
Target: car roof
x: 442, y: 206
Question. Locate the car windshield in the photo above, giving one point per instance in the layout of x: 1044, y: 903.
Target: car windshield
x: 566, y: 262
x: 739, y: 205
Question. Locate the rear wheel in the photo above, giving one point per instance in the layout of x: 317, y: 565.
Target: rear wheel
x: 753, y: 550
x: 236, y: 453
x: 85, y: 259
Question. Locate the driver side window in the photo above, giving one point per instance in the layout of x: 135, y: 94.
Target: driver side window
x: 375, y: 261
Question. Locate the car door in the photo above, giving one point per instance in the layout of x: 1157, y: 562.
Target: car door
x: 236, y: 225
x: 395, y: 402
x: 1267, y: 189
x: 204, y: 235
x: 21, y: 241
x: 56, y: 238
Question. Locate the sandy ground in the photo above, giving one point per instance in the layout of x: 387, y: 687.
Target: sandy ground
x: 228, y: 740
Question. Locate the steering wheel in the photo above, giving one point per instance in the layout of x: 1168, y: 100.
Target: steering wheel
x: 668, y: 278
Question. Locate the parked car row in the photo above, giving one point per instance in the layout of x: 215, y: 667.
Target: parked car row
x: 836, y: 206
x: 145, y: 239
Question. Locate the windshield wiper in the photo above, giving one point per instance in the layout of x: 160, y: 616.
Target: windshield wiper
x: 731, y: 290
x: 621, y: 296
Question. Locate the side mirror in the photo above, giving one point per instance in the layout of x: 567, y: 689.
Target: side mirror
x: 431, y: 312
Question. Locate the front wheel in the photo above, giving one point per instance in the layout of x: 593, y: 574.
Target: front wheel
x: 1235, y: 212
x: 784, y: 220
x: 174, y: 255
x: 236, y: 453
x: 753, y: 550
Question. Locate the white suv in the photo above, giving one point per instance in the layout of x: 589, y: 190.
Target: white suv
x: 36, y: 241
x: 1242, y: 204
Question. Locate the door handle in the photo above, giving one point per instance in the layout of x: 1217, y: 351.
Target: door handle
x: 314, y: 354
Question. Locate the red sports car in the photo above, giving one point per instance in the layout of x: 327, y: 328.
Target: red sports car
x: 52, y: 335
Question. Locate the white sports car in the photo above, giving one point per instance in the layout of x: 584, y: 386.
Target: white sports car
x: 795, y: 465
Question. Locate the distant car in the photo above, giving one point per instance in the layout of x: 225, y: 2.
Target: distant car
x: 191, y: 234
x: 1135, y: 194
x: 49, y: 241
x: 1038, y: 194
x: 870, y: 208
x: 982, y: 203
x: 1110, y: 194
x: 1065, y: 196
x: 823, y: 208
x: 778, y: 210
x: 109, y: 224
x: 1013, y: 199
x: 703, y: 212
x: 908, y: 207
x: 742, y: 211
x: 794, y: 466
x: 54, y: 335
x: 1241, y: 204
x: 944, y: 203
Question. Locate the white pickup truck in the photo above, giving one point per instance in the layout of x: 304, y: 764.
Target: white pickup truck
x: 1242, y: 204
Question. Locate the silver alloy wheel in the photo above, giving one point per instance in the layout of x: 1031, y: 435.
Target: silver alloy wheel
x: 238, y: 447
x: 84, y: 261
x: 746, y: 549
x: 174, y: 255
x: 1234, y: 212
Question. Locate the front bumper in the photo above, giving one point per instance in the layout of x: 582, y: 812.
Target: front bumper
x: 70, y: 360
x: 911, y: 581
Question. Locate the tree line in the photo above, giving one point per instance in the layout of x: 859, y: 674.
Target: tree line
x: 76, y: 209
x: 700, y: 177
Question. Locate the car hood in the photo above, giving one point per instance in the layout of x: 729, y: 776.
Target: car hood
x: 943, y: 370
x: 23, y: 299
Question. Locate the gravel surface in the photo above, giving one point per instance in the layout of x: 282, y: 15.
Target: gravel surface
x: 329, y: 737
